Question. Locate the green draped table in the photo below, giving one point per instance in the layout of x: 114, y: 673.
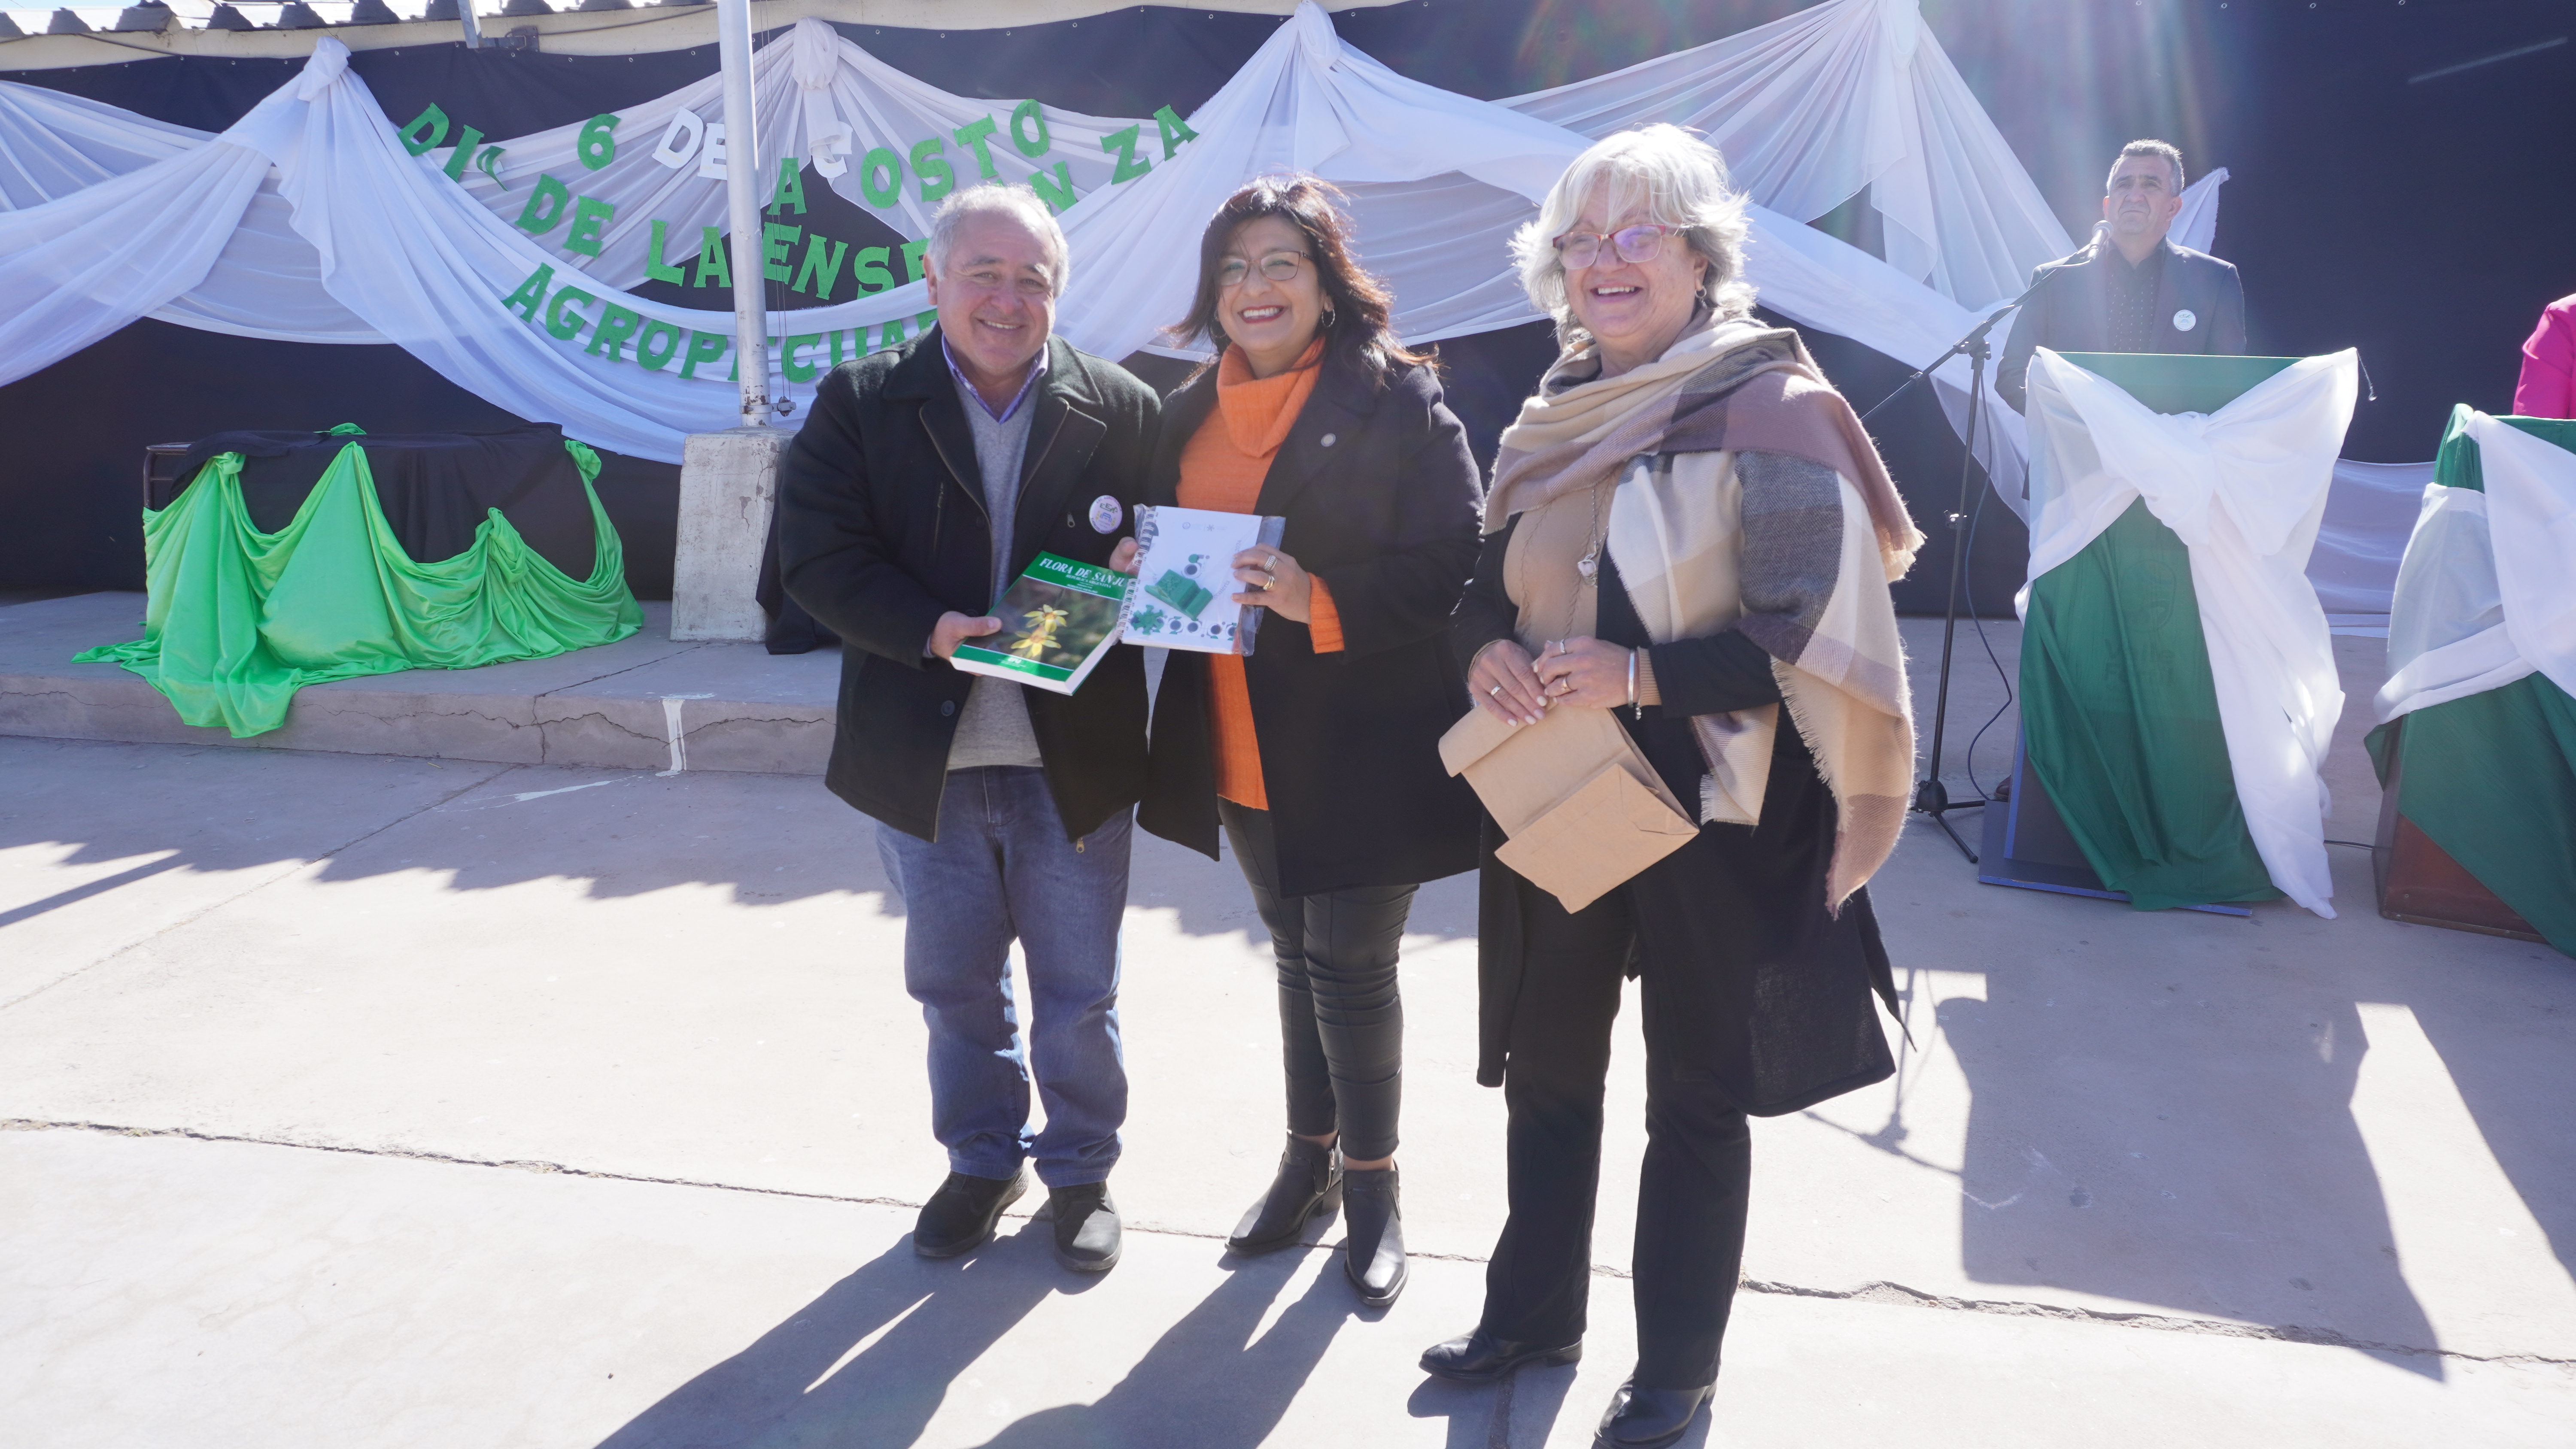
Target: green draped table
x: 2489, y: 779
x: 238, y: 619
x: 2122, y: 756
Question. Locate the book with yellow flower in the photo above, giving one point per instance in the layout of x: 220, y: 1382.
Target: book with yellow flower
x: 1059, y: 618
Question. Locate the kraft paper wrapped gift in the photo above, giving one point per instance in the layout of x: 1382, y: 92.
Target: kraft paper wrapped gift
x: 1584, y: 809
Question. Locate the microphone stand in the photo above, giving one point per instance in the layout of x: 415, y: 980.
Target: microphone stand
x: 1931, y: 797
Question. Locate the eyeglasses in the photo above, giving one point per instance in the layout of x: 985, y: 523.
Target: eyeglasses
x: 1278, y: 267
x: 1580, y: 249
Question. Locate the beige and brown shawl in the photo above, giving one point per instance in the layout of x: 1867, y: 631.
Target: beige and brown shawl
x: 1811, y: 566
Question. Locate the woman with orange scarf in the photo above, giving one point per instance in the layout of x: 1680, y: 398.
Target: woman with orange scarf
x: 1318, y: 756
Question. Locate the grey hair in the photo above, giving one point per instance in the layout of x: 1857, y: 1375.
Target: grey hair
x: 2171, y: 153
x: 1682, y: 182
x: 998, y: 198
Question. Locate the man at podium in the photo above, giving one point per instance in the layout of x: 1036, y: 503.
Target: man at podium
x: 2129, y: 289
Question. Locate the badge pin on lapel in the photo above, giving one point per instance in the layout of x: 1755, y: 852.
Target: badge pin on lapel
x: 2185, y: 320
x: 1105, y: 514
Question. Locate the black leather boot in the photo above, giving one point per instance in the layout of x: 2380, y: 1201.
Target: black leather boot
x: 1309, y: 1182
x: 1373, y: 1254
x: 1481, y: 1358
x: 959, y: 1217
x: 1642, y: 1418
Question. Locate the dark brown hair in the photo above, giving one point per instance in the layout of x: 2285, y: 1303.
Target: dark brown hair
x: 1356, y: 305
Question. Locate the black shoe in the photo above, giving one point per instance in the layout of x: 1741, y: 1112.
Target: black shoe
x: 1649, y: 1418
x: 1086, y: 1227
x: 959, y: 1217
x: 1480, y: 1358
x: 1309, y: 1182
x: 1373, y: 1254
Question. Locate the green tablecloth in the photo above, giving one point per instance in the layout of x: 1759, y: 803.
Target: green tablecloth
x: 237, y: 620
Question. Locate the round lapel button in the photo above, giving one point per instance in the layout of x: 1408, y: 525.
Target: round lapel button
x: 1328, y: 440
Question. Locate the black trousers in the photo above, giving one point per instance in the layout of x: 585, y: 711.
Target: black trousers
x: 1341, y: 1022
x: 1699, y: 1152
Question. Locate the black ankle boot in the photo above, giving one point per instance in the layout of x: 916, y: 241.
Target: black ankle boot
x: 1309, y: 1181
x: 1373, y: 1255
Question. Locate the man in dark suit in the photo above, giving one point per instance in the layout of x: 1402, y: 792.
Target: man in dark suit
x: 923, y: 482
x: 2130, y: 290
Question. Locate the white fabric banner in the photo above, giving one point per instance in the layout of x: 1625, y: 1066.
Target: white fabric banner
x: 350, y: 235
x: 2482, y: 599
x: 2244, y: 488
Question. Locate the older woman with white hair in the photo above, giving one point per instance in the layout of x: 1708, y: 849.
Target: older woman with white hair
x: 1687, y: 528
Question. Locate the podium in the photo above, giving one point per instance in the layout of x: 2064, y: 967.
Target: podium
x: 2121, y: 783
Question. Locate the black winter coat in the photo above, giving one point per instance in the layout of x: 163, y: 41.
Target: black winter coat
x: 883, y: 528
x: 1382, y: 500
x: 2073, y: 312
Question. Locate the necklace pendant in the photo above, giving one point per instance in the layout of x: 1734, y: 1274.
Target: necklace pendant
x: 1587, y: 566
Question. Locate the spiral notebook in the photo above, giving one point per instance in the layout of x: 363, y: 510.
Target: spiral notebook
x: 1182, y: 594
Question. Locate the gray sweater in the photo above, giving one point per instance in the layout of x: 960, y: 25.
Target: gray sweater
x: 994, y: 729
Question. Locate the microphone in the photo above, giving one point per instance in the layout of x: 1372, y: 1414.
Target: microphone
x: 2101, y: 232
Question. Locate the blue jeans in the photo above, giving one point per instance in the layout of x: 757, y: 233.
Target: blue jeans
x: 1000, y: 869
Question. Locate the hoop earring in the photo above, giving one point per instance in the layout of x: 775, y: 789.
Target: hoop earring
x: 1330, y: 317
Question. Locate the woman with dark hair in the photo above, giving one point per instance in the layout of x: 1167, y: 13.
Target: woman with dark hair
x: 1318, y: 757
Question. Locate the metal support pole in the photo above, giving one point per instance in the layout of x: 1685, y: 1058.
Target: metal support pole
x: 743, y: 196
x: 473, y: 27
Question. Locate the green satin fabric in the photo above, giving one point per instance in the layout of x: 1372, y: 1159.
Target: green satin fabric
x: 2120, y: 719
x: 237, y: 620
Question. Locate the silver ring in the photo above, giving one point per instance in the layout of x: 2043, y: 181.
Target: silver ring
x: 1494, y: 689
x: 1270, y: 565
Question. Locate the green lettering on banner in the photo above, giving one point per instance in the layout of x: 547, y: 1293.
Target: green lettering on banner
x: 921, y: 321
x: 713, y: 269
x: 775, y: 238
x: 1174, y: 129
x: 655, y: 268
x: 651, y: 358
x: 531, y: 294
x: 790, y: 367
x: 1058, y: 193
x: 434, y: 122
x: 789, y: 189
x: 597, y: 143
x: 546, y: 206
x: 821, y: 269
x: 868, y: 269
x: 1130, y: 165
x: 455, y: 167
x: 589, y: 214
x: 1022, y: 116
x: 890, y: 335
x: 893, y: 166
x: 978, y: 133
x: 567, y: 327
x: 858, y: 340
x: 704, y: 347
x: 929, y: 166
x: 912, y: 251
x: 615, y: 326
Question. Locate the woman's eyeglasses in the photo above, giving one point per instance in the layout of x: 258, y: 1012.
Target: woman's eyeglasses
x: 1278, y: 267
x: 1580, y: 249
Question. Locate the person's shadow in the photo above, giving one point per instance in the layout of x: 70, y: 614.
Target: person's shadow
x: 801, y: 1383
x: 1207, y: 1383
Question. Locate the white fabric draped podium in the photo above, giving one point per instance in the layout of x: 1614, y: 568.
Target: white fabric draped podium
x: 2482, y: 598
x: 2244, y: 489
x: 311, y: 221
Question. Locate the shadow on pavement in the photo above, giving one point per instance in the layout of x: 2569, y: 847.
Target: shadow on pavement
x: 800, y: 1383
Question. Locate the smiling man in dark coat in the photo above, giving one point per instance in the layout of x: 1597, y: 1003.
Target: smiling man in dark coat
x: 2130, y: 290
x: 922, y: 484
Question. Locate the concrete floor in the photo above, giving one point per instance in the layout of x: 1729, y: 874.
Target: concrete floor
x: 361, y: 1099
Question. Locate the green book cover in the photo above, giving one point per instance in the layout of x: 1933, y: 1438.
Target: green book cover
x: 1059, y: 619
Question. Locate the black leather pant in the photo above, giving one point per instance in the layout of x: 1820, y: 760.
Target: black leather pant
x: 1341, y: 1022
x: 1698, y: 1170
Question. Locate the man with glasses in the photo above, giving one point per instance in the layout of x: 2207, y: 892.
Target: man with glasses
x: 922, y: 483
x: 2129, y: 290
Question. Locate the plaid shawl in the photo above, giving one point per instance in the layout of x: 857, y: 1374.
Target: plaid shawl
x: 1813, y: 555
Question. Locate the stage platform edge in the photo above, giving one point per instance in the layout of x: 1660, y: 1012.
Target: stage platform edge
x: 643, y: 703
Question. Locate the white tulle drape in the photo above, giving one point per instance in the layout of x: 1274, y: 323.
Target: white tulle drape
x: 311, y: 221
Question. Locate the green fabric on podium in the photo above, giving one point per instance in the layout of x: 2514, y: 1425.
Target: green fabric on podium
x: 2491, y: 779
x: 237, y: 620
x: 2457, y: 465
x: 2120, y: 719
